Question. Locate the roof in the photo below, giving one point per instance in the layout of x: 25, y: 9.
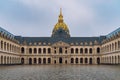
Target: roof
x: 6, y: 33
x: 115, y: 32
x: 51, y: 40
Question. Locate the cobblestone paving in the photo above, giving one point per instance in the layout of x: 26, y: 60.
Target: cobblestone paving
x: 60, y: 72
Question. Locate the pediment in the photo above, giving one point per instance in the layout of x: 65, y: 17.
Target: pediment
x: 60, y: 44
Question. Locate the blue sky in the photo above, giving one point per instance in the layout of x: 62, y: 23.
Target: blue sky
x: 38, y: 17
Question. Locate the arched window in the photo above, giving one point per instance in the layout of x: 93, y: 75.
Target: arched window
x: 49, y: 50
x: 60, y: 50
x: 7, y: 46
x: 86, y: 60
x: 35, y: 60
x: 98, y: 50
x: 22, y: 50
x: 76, y: 60
x: 98, y: 60
x: 81, y: 60
x: 22, y: 60
x: 86, y: 50
x: 49, y: 60
x: 81, y: 50
x: 1, y: 44
x: 39, y: 50
x: 72, y: 50
x: 35, y: 50
x: 90, y: 50
x: 30, y: 50
x: 44, y: 50
x: 4, y: 45
x: 44, y: 60
x: 72, y: 60
x: 90, y: 61
x: 39, y: 60
x: 76, y: 50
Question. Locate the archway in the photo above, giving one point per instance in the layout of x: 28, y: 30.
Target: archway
x: 90, y: 61
x: 72, y: 60
x: 22, y: 60
x: 44, y: 60
x: 39, y: 60
x: 30, y: 60
x: 35, y: 61
x: 49, y: 60
x: 98, y: 60
x: 76, y: 60
x: 60, y: 60
x: 81, y: 60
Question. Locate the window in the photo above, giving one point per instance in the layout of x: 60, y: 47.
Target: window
x: 60, y: 50
x: 35, y: 50
x: 76, y: 50
x: 44, y: 50
x: 72, y: 50
x: 39, y: 50
x: 81, y: 50
x: 49, y: 50
x: 22, y: 50
x: 30, y: 50
x: 90, y: 50
x: 86, y: 50
x: 98, y: 50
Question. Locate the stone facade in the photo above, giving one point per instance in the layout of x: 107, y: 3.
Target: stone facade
x: 60, y: 48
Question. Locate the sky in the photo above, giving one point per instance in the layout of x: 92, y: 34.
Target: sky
x: 85, y: 18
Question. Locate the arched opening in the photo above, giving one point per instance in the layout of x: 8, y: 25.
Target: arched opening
x: 81, y: 50
x: 90, y: 50
x: 4, y: 59
x: 1, y: 44
x: 49, y: 60
x: 72, y: 60
x: 35, y: 61
x: 44, y: 50
x: 49, y: 50
x: 39, y: 50
x: 1, y: 59
x: 86, y: 60
x: 98, y: 50
x: 76, y: 50
x: 30, y: 50
x: 39, y: 60
x: 22, y: 50
x: 98, y: 60
x: 60, y: 60
x: 44, y: 60
x: 72, y: 50
x: 86, y: 50
x: 30, y: 60
x: 60, y: 50
x: 81, y: 60
x: 4, y: 45
x: 90, y: 61
x: 35, y: 50
x: 22, y: 60
x: 76, y: 60
x: 65, y: 61
x: 54, y: 61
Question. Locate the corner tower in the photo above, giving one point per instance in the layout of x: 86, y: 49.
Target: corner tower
x: 60, y: 29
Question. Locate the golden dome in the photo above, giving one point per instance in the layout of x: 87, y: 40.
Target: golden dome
x: 61, y: 24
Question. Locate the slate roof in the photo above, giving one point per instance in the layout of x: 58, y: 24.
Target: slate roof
x: 114, y: 33
x: 6, y: 33
x: 52, y: 40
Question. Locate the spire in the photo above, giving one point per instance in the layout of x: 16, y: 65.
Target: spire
x: 60, y: 20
